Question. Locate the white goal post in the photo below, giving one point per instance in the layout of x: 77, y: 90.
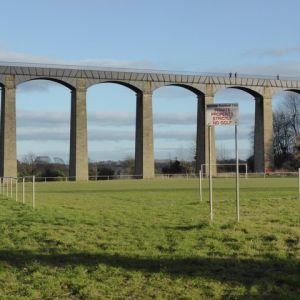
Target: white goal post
x: 245, y: 165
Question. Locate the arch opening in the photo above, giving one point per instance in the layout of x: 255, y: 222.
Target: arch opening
x: 286, y: 130
x: 48, y: 79
x: 251, y: 92
x: 225, y: 144
x: 111, y: 110
x: 118, y: 83
x: 175, y: 128
x: 43, y: 128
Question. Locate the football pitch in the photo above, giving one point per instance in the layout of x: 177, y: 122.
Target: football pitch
x: 152, y: 239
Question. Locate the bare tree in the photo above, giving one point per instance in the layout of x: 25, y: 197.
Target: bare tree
x: 286, y: 127
x: 29, y: 164
x: 223, y: 153
x: 129, y: 165
x: 291, y: 107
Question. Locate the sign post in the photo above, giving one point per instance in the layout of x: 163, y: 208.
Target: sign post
x: 200, y: 185
x: 210, y: 175
x: 299, y: 183
x: 223, y: 114
x: 237, y: 179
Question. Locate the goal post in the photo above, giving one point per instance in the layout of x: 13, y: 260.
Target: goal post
x: 242, y: 166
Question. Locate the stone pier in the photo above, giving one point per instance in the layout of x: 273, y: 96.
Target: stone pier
x: 8, y: 148
x: 263, y: 132
x: 144, y: 153
x: 78, y: 168
x: 202, y: 141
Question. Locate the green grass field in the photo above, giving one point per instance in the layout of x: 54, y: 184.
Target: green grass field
x: 152, y: 240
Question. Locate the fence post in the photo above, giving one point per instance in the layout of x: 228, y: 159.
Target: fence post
x: 17, y: 189
x: 33, y: 192
x: 11, y: 187
x: 23, y: 190
x: 7, y: 187
x: 200, y: 185
x: 299, y: 183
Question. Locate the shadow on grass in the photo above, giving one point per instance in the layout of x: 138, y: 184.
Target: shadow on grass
x: 275, y: 273
x: 189, y: 227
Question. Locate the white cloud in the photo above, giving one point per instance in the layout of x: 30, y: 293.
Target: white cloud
x: 42, y: 134
x: 274, y: 52
x: 174, y: 92
x: 113, y: 134
x: 17, y: 57
x: 187, y: 118
x: 63, y: 134
x: 12, y: 56
x: 226, y: 133
x: 35, y: 86
x: 290, y: 68
x: 27, y: 118
x: 284, y: 69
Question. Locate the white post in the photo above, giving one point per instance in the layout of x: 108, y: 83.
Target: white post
x: 7, y: 187
x: 23, y: 191
x: 210, y: 175
x: 17, y: 189
x: 200, y: 185
x: 237, y: 175
x: 33, y: 191
x: 11, y: 187
x: 246, y: 171
x: 299, y: 183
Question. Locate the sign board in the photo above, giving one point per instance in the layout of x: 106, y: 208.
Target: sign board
x: 222, y: 114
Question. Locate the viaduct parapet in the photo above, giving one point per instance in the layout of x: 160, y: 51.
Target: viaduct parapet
x: 78, y: 79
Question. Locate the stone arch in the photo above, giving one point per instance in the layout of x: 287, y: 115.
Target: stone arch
x: 132, y: 96
x: 262, y: 125
x: 200, y: 112
x: 62, y: 82
x: 65, y: 90
x: 190, y: 87
x: 292, y: 90
x: 129, y: 85
x: 252, y: 92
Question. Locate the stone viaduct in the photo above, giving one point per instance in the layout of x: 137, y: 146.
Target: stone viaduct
x: 78, y: 79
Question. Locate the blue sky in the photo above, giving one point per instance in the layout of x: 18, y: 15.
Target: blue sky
x: 252, y: 37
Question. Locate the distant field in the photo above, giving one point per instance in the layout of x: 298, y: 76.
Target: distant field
x: 152, y: 240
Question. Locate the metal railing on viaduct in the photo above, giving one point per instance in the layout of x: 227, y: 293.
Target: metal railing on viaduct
x: 143, y: 83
